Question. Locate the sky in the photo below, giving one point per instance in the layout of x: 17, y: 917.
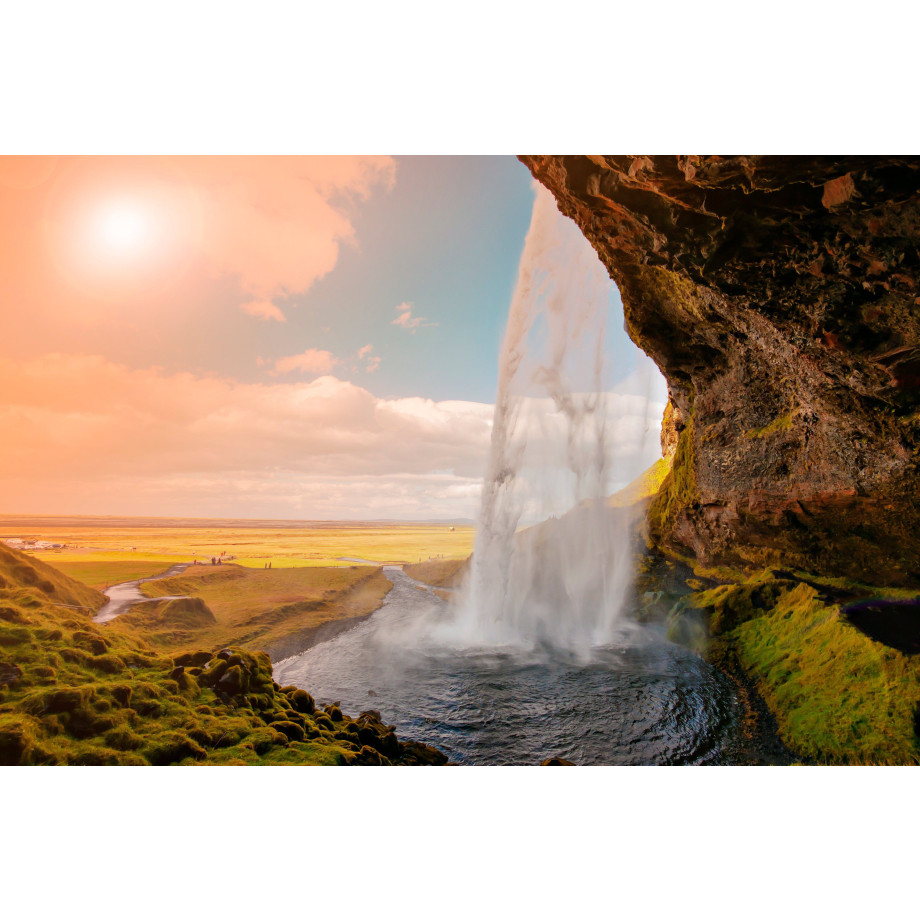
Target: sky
x: 263, y: 337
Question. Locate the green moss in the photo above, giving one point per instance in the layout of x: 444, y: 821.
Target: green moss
x: 679, y: 489
x: 782, y: 423
x: 88, y: 695
x: 838, y: 696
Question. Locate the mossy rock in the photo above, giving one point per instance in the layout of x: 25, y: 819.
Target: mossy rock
x: 123, y: 739
x: 213, y: 671
x: 67, y: 699
x: 194, y: 659
x: 86, y: 723
x: 418, y: 754
x: 172, y: 747
x: 14, y: 635
x: 323, y: 722
x: 368, y: 757
x: 17, y: 736
x: 10, y: 674
x: 301, y: 701
x: 107, y: 664
x: 104, y: 757
x: 91, y: 642
x: 121, y: 693
x: 75, y: 656
x: 187, y: 686
x: 292, y: 730
x: 13, y: 615
x: 233, y: 681
x: 151, y: 709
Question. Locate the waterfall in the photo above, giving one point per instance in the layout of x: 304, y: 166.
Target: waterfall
x: 563, y: 582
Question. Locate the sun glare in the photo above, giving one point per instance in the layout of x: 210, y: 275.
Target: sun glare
x: 123, y: 228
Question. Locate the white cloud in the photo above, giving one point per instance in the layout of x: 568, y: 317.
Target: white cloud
x: 371, y: 361
x: 312, y: 361
x: 276, y: 223
x: 84, y: 435
x: 263, y: 309
x: 407, y: 320
x: 87, y: 435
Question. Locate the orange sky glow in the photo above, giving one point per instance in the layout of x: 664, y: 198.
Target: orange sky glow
x: 101, y: 249
x: 159, y: 357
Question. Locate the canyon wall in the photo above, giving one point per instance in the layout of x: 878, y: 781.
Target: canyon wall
x: 780, y: 296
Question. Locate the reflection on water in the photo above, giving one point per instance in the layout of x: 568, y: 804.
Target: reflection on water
x: 645, y: 701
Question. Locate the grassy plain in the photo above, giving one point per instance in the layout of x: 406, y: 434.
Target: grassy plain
x: 100, y: 573
x: 259, y: 609
x: 439, y: 573
x: 251, y: 543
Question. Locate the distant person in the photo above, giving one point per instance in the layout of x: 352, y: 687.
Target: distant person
x: 213, y: 560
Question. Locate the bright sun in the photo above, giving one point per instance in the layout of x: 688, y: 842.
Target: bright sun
x: 124, y: 228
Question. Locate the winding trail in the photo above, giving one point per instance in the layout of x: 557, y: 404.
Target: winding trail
x: 122, y: 597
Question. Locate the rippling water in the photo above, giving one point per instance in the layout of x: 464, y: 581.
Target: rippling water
x: 645, y: 701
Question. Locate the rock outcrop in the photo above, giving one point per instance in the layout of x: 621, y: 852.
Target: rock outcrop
x: 780, y: 296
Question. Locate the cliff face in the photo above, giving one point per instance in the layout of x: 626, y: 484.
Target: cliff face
x: 780, y: 296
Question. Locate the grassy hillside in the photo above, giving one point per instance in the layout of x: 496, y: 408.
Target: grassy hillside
x: 75, y: 693
x: 838, y: 696
x: 22, y: 578
x: 439, y: 573
x: 644, y: 486
x: 257, y: 609
x: 100, y: 574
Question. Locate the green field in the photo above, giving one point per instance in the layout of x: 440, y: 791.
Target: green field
x: 250, y: 608
x: 252, y: 544
x: 101, y: 573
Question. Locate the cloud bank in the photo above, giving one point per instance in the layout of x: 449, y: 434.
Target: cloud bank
x: 85, y: 435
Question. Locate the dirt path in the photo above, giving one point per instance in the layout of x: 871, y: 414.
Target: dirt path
x: 124, y: 596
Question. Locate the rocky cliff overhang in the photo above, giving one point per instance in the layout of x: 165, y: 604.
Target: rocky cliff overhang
x: 780, y: 296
